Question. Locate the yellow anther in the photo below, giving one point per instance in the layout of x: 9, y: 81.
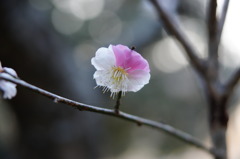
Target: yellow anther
x: 119, y: 74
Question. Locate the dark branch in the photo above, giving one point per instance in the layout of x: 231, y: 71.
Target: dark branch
x: 215, y: 28
x: 217, y: 97
x: 220, y: 116
x: 212, y: 24
x: 213, y: 64
x: 119, y: 95
x: 173, y: 27
x: 111, y: 112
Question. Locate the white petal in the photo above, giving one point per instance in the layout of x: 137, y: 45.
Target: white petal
x: 104, y: 59
x: 8, y: 88
x: 137, y: 79
x: 102, y: 77
x: 10, y: 71
x: 110, y: 48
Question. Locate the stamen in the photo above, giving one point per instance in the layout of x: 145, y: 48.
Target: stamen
x: 119, y: 74
x: 105, y: 89
x: 113, y: 94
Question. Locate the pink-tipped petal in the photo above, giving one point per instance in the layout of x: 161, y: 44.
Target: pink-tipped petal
x: 129, y: 59
x: 136, y: 62
x: 120, y: 52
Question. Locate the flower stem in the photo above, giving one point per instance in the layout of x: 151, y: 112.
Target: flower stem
x: 116, y: 108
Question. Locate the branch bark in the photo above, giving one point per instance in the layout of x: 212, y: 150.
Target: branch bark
x: 217, y: 101
x: 187, y: 138
x: 215, y: 28
x: 219, y: 128
x: 172, y: 26
x: 212, y: 25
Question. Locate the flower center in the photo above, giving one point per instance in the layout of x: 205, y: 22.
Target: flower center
x: 119, y: 74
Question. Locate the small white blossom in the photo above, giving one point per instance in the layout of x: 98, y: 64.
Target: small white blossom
x: 7, y: 88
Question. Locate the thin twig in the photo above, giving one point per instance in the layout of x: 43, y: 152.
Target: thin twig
x: 111, y: 112
x: 213, y: 64
x: 212, y: 24
x: 215, y: 28
x: 173, y: 27
x: 116, y: 108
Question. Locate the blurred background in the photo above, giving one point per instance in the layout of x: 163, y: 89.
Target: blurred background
x: 50, y: 44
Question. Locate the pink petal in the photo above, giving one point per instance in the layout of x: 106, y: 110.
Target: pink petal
x: 120, y: 52
x: 129, y: 59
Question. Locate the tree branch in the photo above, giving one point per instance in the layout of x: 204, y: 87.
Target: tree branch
x: 187, y: 138
x: 212, y: 24
x: 215, y: 28
x: 218, y: 116
x: 172, y: 26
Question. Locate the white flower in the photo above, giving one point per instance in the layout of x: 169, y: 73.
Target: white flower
x: 120, y: 69
x: 8, y: 88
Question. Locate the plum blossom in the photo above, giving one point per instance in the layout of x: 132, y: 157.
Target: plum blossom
x: 7, y: 88
x: 119, y: 68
